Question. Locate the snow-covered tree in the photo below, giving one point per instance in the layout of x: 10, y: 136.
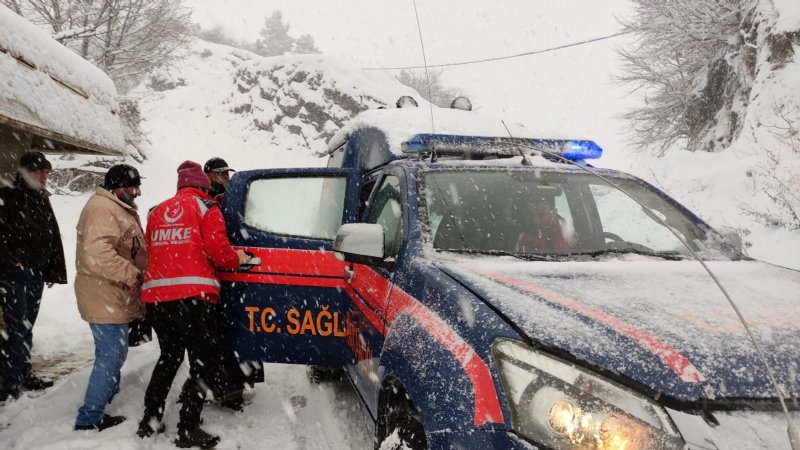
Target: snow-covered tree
x: 779, y: 176
x: 439, y: 94
x: 275, y: 39
x: 304, y: 45
x: 217, y: 35
x: 124, y: 38
x: 692, y: 62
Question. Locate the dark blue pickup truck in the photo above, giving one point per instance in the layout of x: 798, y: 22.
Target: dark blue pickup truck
x: 479, y: 291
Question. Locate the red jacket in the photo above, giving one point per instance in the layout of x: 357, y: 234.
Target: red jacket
x: 186, y: 243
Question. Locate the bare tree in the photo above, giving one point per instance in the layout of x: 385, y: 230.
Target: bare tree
x: 690, y: 59
x: 124, y: 38
x: 779, y: 176
x: 439, y: 94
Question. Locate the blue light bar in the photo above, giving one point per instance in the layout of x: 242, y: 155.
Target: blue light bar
x: 572, y: 150
x: 485, y: 146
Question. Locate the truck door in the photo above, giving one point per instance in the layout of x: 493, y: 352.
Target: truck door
x: 292, y: 307
x: 369, y: 287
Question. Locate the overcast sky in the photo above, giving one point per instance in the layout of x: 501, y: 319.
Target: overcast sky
x: 568, y: 91
x: 384, y: 32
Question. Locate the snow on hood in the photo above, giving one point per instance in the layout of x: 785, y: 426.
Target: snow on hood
x: 54, y: 88
x: 662, y: 324
x: 400, y: 124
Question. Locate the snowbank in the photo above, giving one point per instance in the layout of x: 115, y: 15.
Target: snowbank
x: 45, y: 85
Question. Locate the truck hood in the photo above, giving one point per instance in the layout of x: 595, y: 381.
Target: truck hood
x: 662, y: 324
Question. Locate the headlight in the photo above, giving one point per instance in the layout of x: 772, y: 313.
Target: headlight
x: 564, y: 407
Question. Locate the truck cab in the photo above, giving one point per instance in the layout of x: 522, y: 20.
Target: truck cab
x: 482, y: 287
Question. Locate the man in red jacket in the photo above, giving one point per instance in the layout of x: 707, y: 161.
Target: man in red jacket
x: 186, y: 244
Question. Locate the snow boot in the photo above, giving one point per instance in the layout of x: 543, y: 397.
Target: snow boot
x: 33, y: 383
x: 150, y: 426
x: 234, y: 404
x: 11, y: 392
x: 106, y: 422
x: 196, y: 438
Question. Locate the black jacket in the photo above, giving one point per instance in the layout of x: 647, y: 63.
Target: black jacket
x: 29, y: 232
x: 216, y: 189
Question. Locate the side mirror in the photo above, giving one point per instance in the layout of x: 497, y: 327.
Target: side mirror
x: 731, y: 237
x: 360, y: 243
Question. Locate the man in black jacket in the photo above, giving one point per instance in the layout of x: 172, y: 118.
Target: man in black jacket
x: 31, y: 255
x: 218, y: 173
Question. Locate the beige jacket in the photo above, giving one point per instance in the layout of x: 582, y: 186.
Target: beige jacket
x: 110, y: 260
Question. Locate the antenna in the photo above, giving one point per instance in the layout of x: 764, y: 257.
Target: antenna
x: 525, y: 160
x: 794, y: 438
x: 427, y: 77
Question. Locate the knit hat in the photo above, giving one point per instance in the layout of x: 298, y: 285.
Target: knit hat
x: 33, y: 161
x: 122, y: 176
x: 190, y: 174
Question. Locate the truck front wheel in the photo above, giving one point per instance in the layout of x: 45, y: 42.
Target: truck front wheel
x: 324, y: 374
x: 399, y: 424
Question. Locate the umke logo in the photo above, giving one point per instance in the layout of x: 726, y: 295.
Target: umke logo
x: 173, y: 216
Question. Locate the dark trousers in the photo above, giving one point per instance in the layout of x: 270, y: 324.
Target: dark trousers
x: 20, y: 296
x: 188, y: 325
x: 226, y: 378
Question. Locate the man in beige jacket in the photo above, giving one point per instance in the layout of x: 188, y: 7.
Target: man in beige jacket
x: 111, y: 259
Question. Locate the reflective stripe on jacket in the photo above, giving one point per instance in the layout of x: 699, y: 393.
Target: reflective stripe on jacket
x: 186, y: 243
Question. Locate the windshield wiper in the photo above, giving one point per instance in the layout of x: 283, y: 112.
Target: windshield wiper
x: 522, y: 256
x: 672, y: 256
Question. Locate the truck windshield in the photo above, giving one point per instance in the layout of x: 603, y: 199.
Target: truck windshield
x: 558, y: 213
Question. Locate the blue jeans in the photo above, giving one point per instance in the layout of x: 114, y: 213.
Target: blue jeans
x: 20, y: 296
x: 110, y: 351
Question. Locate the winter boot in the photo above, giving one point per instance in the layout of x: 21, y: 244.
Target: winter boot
x: 33, y: 383
x: 234, y: 404
x: 196, y: 438
x: 106, y: 422
x: 150, y: 426
x: 9, y: 392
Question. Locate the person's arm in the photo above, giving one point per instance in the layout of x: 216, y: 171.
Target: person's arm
x: 8, y: 238
x: 100, y: 258
x: 215, y: 240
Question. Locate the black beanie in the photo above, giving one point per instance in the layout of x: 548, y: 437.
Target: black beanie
x: 122, y: 176
x: 33, y: 161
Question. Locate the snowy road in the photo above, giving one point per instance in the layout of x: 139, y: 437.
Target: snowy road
x: 285, y: 412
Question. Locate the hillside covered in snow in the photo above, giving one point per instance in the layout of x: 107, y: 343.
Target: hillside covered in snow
x: 259, y: 112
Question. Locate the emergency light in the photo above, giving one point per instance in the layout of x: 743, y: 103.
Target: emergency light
x: 484, y: 146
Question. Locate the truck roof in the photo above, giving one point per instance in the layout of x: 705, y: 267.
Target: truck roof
x: 377, y: 137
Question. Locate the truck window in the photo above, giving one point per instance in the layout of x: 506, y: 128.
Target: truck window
x: 386, y: 210
x: 309, y: 207
x: 554, y: 213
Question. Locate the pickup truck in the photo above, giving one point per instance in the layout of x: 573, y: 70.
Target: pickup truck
x: 482, y: 287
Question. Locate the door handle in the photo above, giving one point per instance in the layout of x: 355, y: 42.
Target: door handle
x: 349, y: 273
x: 249, y: 264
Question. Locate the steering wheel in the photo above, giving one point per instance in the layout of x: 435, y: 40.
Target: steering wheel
x: 617, y: 243
x: 612, y: 236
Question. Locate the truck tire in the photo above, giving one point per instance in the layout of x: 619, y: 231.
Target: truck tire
x: 398, y: 416
x: 324, y: 374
